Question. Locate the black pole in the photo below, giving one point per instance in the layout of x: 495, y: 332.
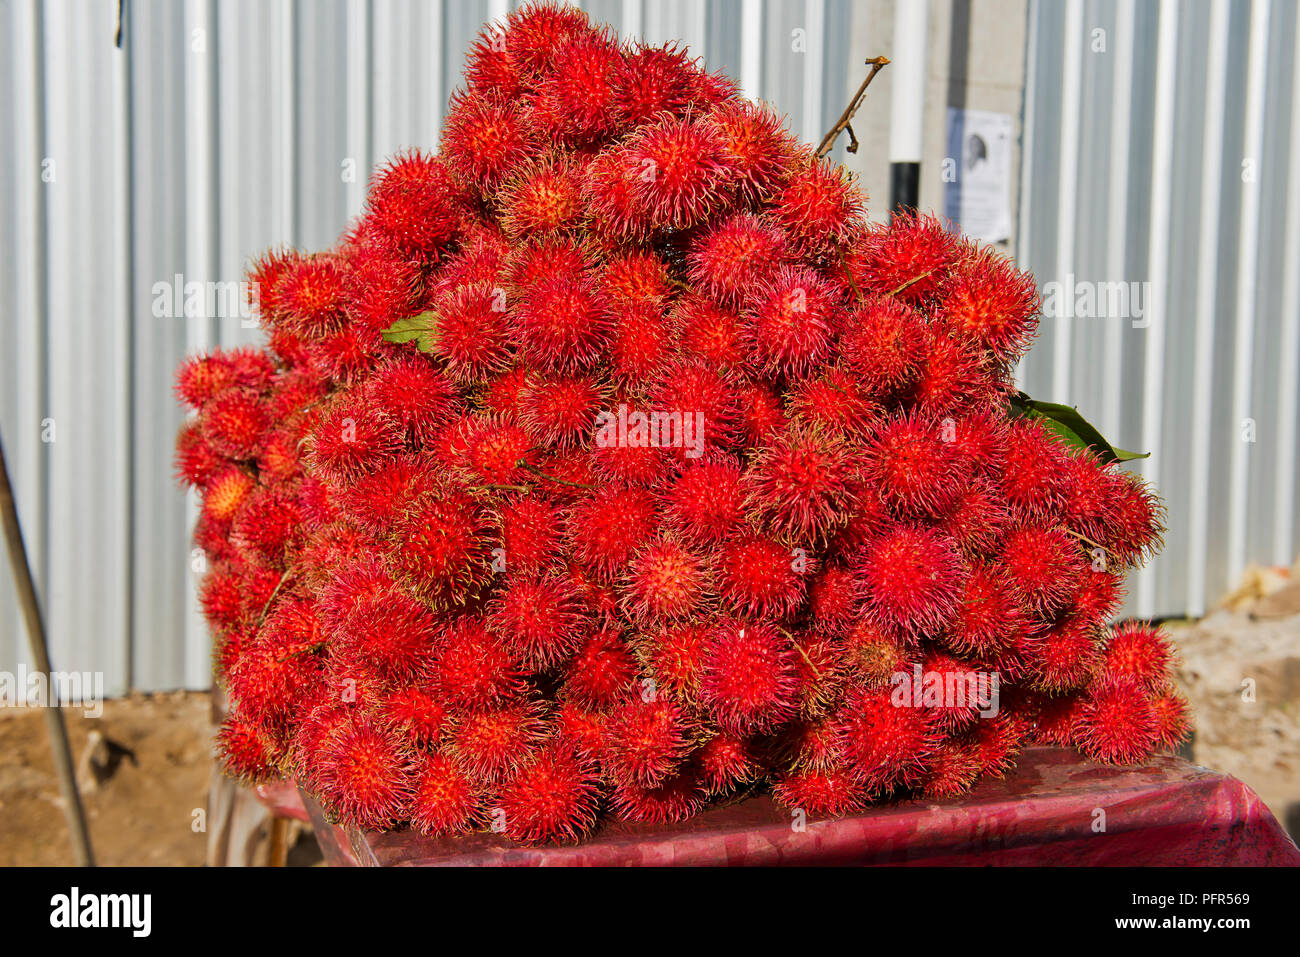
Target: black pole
x: 904, y: 186
x: 53, y: 714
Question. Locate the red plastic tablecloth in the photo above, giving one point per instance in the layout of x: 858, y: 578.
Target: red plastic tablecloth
x: 1046, y: 812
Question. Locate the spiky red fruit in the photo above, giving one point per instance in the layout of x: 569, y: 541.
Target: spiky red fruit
x: 741, y: 253
x: 665, y: 580
x: 792, y: 323
x: 916, y: 464
x: 540, y: 618
x: 802, y: 484
x: 1139, y: 652
x: 446, y: 800
x: 440, y: 547
x: 748, y: 677
x: 884, y: 343
x: 762, y: 577
x: 909, y: 258
x: 365, y: 776
x: 472, y: 668
x: 820, y: 208
x: 989, y: 302
x: 909, y: 580
x: 493, y: 744
x: 610, y: 524
x: 245, y: 752
x: 646, y: 741
x: 1115, y: 723
x: 885, y: 745
x: 553, y: 797
x: 1044, y: 566
x: 485, y: 138
x: 601, y: 672
x: 820, y: 793
x: 414, y: 204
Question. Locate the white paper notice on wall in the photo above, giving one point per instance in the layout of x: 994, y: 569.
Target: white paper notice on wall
x: 977, y: 173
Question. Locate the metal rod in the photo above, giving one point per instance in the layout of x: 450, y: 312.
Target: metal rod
x: 62, y: 750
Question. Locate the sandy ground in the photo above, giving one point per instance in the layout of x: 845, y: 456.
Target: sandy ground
x: 142, y: 813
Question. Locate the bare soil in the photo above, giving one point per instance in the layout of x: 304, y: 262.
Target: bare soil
x: 158, y: 751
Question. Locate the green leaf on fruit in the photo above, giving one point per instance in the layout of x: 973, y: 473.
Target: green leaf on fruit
x: 1072, y: 428
x: 418, y: 329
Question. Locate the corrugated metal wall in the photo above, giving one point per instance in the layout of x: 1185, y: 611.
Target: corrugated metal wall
x: 222, y: 127
x: 1160, y: 146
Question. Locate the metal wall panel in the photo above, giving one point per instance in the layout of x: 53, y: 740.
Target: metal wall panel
x: 218, y: 129
x: 1168, y: 157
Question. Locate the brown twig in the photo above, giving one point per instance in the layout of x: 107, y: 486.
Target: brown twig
x: 914, y: 279
x: 842, y: 124
x: 528, y: 467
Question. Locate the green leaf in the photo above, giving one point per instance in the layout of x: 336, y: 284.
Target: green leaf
x: 1072, y: 427
x: 420, y: 329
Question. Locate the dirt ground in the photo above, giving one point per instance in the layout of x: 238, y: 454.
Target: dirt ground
x: 143, y: 812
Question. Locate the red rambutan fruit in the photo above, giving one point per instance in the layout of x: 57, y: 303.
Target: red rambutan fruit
x: 884, y: 344
x: 652, y: 80
x: 674, y: 656
x: 602, y: 671
x: 665, y: 580
x: 416, y: 716
x: 264, y: 277
x: 874, y: 655
x: 756, y: 145
x: 415, y: 205
x: 996, y: 740
x: 609, y: 525
x: 1115, y: 723
x: 543, y: 198
x: 952, y: 771
x: 910, y: 579
x: 485, y: 138
x: 201, y: 378
x: 705, y: 502
x: 366, y: 777
x: 953, y: 379
x: 264, y: 528
x: 560, y: 410
x: 470, y: 331
x: 562, y: 324
x: 311, y: 295
x: 989, y: 617
x: 219, y: 597
x: 736, y: 256
x: 580, y: 91
x: 726, y: 762
x: 235, y: 423
x: 440, y: 547
x: 1033, y: 471
x: 1173, y: 724
x: 710, y: 332
x: 820, y: 208
x: 834, y: 601
x: 1064, y: 656
x: 553, y: 797
x: 885, y: 745
x: 835, y: 403
x: 830, y: 793
x: 977, y: 519
x: 990, y: 303
x: 472, y: 668
x: 1139, y: 652
x: 530, y: 533
x: 245, y: 751
x: 792, y: 321
x: 802, y: 484
x: 640, y: 341
x: 761, y: 415
x: 675, y: 800
x: 908, y: 258
x: 678, y: 172
x: 1044, y: 566
x: 1137, y: 529
x: 540, y: 618
x: 707, y: 401
x: 646, y: 741
x: 225, y: 492
x: 493, y: 744
x: 497, y: 450
x: 749, y: 682
x: 446, y: 800
x: 762, y: 577
x: 414, y: 394
x: 914, y: 462
x: 635, y: 275
x: 351, y: 439
x: 196, y: 462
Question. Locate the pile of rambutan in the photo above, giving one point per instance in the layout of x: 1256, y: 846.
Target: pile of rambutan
x: 613, y: 463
